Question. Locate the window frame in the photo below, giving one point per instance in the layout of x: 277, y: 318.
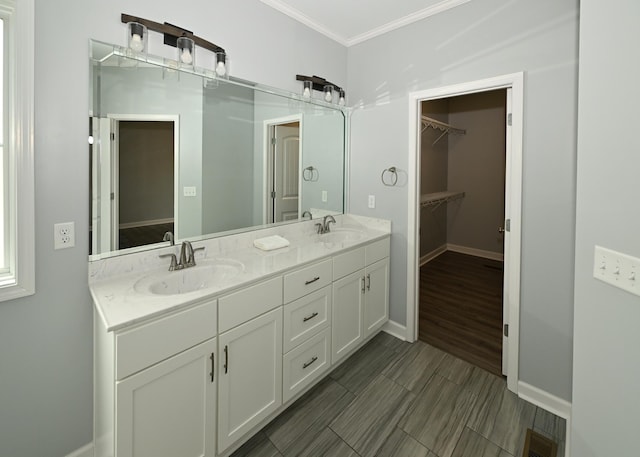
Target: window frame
x: 19, y: 41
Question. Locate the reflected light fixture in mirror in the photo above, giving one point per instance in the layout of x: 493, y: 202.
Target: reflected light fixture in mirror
x: 328, y: 93
x: 136, y: 36
x: 341, y: 100
x: 306, y: 91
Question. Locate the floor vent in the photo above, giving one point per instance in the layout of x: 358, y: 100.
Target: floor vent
x: 537, y: 445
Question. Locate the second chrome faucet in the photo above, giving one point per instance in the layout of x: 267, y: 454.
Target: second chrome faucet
x: 324, y: 227
x: 187, y: 257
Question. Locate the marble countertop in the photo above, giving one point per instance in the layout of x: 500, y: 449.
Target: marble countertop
x: 120, y: 302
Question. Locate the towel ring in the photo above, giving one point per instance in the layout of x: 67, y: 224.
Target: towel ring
x: 310, y: 174
x: 391, y: 180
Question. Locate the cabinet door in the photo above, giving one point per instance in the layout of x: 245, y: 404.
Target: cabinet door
x: 346, y: 325
x: 376, y: 302
x: 250, y: 381
x: 169, y: 408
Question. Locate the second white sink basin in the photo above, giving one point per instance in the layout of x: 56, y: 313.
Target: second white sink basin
x: 206, y: 274
x: 342, y: 235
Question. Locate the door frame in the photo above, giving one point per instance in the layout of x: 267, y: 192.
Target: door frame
x: 513, y: 205
x: 267, y: 126
x: 115, y: 157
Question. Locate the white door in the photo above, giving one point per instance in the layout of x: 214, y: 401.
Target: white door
x: 286, y: 172
x: 250, y: 380
x: 376, y: 298
x: 169, y: 409
x: 346, y: 314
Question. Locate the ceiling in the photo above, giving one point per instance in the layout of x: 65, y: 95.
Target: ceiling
x: 353, y: 21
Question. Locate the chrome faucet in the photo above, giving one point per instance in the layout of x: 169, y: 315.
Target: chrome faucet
x: 307, y: 213
x: 187, y: 257
x: 324, y: 227
x: 168, y: 236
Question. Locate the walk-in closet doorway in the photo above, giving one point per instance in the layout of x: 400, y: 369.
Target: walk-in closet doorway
x: 464, y: 265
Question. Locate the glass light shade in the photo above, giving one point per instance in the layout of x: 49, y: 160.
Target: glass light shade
x: 306, y: 90
x: 186, y: 51
x: 328, y: 93
x: 221, y: 63
x: 136, y: 37
x: 341, y: 99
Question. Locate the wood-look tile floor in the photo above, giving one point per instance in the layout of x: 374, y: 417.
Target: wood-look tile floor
x: 461, y: 308
x: 396, y: 399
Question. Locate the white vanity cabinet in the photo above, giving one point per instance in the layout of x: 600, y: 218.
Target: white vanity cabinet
x: 360, y: 296
x: 307, y: 331
x: 155, y: 386
x: 249, y: 359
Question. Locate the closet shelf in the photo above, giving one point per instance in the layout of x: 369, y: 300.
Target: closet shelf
x: 436, y: 199
x: 442, y: 126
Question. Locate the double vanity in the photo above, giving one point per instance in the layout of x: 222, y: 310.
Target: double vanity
x: 193, y: 362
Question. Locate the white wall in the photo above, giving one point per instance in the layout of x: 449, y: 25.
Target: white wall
x: 606, y: 375
x: 480, y: 39
x: 46, y: 339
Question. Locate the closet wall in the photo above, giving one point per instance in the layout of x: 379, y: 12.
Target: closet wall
x: 473, y: 163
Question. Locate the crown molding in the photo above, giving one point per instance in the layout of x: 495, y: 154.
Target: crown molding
x: 377, y: 31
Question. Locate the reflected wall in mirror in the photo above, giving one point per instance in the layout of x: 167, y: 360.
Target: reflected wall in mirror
x: 183, y: 152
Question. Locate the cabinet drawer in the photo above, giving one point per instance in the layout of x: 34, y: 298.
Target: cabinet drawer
x: 307, y: 280
x: 244, y: 305
x: 347, y: 263
x: 305, y: 364
x: 148, y: 344
x: 306, y: 317
x: 377, y: 250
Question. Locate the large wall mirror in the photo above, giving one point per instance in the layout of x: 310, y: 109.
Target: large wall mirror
x: 178, y: 150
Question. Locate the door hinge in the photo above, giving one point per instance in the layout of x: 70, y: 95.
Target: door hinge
x: 507, y: 225
x: 505, y: 330
x: 273, y: 141
x: 509, y: 119
x: 273, y: 194
x: 113, y: 196
x: 113, y: 136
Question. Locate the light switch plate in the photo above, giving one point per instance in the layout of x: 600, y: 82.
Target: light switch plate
x: 619, y: 270
x: 372, y: 201
x: 324, y: 196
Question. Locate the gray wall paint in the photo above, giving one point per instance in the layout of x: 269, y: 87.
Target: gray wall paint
x: 477, y: 166
x: 477, y: 40
x: 606, y: 340
x: 433, y: 177
x: 46, y: 339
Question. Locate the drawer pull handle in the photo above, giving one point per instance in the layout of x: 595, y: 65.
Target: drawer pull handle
x: 363, y: 283
x: 213, y: 365
x: 308, y: 318
x: 226, y: 359
x: 306, y: 283
x: 310, y: 362
x: 368, y: 282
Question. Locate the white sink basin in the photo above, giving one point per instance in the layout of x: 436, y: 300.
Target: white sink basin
x: 206, y: 274
x: 341, y: 235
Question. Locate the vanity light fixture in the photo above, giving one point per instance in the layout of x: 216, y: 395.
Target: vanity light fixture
x: 186, y: 51
x: 136, y: 36
x: 311, y: 83
x: 306, y: 91
x: 174, y: 36
x: 221, y: 63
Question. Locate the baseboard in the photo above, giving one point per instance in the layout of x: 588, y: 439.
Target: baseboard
x: 395, y: 329
x: 128, y: 225
x: 84, y: 451
x: 428, y: 257
x: 551, y: 403
x: 476, y: 252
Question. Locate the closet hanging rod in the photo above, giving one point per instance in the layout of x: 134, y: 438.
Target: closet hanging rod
x: 442, y: 126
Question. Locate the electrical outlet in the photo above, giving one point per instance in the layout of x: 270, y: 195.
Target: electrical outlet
x: 372, y: 201
x: 619, y: 270
x: 189, y: 191
x: 64, y: 235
